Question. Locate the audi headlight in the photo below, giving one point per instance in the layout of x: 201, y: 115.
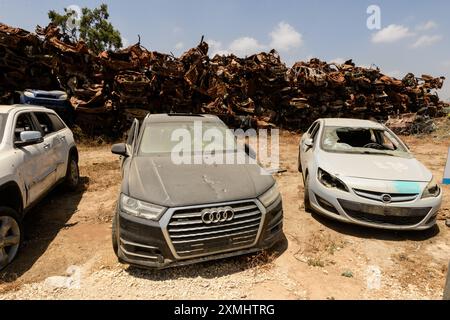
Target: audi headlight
x: 330, y: 181
x: 270, y: 196
x: 431, y: 190
x: 141, y: 209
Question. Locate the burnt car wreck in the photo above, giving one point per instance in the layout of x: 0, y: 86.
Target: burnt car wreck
x: 108, y: 90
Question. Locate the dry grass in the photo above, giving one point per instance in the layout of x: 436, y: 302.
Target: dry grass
x: 101, y: 175
x: 318, y: 250
x: 262, y: 261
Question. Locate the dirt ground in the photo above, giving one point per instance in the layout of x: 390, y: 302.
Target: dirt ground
x: 68, y: 255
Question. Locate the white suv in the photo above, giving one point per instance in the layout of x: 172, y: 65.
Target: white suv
x: 37, y: 152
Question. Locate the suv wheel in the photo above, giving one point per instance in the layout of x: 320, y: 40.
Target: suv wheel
x: 72, y: 174
x: 10, y: 236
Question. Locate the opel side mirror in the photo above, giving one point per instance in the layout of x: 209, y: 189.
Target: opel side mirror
x: 309, y: 143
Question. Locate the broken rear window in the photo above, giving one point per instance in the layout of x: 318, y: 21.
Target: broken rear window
x: 362, y: 140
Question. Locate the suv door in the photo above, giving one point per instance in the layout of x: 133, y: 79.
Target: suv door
x: 62, y: 147
x: 52, y: 146
x: 32, y: 168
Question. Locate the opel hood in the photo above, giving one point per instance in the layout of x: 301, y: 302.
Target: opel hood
x: 378, y: 167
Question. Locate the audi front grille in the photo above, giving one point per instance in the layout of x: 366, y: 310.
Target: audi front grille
x: 192, y: 233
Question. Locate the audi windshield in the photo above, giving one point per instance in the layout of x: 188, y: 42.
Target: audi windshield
x: 189, y: 137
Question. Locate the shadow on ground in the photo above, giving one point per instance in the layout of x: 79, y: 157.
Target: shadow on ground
x: 41, y: 225
x: 216, y: 268
x: 372, y: 233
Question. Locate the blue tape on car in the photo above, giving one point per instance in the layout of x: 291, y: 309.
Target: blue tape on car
x: 407, y: 187
x: 447, y: 170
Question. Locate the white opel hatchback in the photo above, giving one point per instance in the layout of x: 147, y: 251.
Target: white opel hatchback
x: 359, y: 171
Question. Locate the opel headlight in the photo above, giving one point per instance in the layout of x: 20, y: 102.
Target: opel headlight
x: 270, y: 196
x: 141, y: 209
x: 431, y: 190
x: 330, y: 181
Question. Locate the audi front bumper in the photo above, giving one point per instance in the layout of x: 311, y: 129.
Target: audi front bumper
x: 418, y: 214
x: 158, y: 244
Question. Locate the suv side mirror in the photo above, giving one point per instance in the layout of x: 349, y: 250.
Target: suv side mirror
x: 120, y: 149
x: 28, y: 138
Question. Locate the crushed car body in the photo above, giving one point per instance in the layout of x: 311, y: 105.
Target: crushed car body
x: 359, y: 171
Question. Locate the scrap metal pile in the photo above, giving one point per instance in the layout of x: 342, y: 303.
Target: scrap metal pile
x: 109, y: 89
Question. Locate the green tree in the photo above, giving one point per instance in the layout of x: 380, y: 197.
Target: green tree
x: 89, y: 25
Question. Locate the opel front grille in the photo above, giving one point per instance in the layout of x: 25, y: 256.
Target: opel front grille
x: 378, y: 196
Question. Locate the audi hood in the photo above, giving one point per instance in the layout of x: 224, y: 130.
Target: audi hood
x: 376, y: 167
x: 158, y: 180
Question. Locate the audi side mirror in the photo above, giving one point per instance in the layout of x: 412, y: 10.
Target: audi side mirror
x: 28, y: 138
x: 120, y: 149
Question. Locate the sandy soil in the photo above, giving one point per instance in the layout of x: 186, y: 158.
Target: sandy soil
x: 68, y: 255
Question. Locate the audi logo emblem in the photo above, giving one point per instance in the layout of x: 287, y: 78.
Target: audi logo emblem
x: 386, y: 198
x: 217, y: 215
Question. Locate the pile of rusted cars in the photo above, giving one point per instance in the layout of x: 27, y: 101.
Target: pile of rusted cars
x: 109, y: 89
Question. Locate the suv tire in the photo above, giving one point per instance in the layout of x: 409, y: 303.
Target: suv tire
x: 72, y: 175
x: 11, y: 235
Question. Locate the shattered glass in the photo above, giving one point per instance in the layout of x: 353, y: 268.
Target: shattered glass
x: 362, y: 140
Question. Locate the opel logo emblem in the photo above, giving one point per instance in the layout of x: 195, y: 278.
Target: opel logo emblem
x: 217, y: 215
x: 386, y: 198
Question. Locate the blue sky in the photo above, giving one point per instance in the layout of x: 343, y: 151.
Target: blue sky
x: 414, y: 36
